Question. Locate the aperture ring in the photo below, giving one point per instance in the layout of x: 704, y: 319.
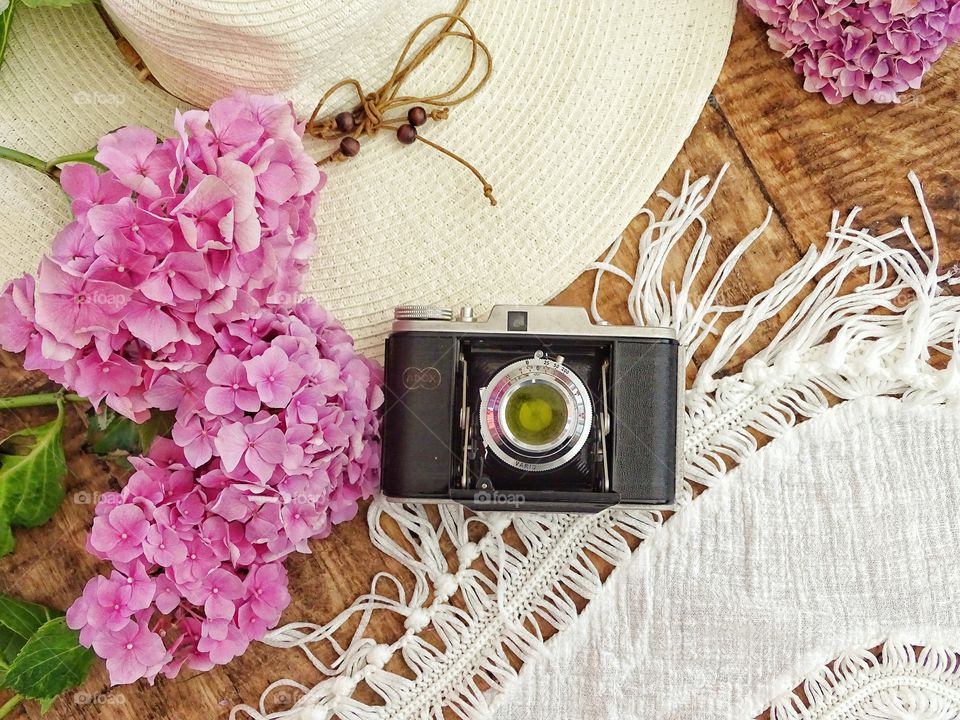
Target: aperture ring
x: 497, y: 437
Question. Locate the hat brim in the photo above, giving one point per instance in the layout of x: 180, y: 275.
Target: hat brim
x: 588, y: 105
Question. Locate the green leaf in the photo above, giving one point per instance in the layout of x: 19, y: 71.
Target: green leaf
x: 19, y: 620
x: 51, y: 661
x: 110, y: 433
x: 22, y: 617
x: 40, y: 656
x: 6, y: 539
x: 46, y: 704
x: 159, y: 425
x: 54, y: 3
x: 32, y: 466
x: 6, y: 20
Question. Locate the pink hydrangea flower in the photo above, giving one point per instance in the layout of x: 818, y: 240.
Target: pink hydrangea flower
x: 259, y: 445
x: 112, y: 607
x: 183, y: 391
x: 120, y: 533
x: 871, y: 50
x: 91, y: 189
x: 173, y: 290
x: 132, y: 652
x: 230, y: 389
x: 274, y: 376
x: 73, y: 308
x: 208, y: 517
x: 163, y: 546
x: 196, y: 438
x: 177, y: 237
x: 130, y: 154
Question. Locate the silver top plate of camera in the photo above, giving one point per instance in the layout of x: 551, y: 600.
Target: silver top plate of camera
x: 533, y: 320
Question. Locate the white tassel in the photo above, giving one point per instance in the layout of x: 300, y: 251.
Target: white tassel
x: 835, y: 343
x: 848, y: 344
x: 901, y: 682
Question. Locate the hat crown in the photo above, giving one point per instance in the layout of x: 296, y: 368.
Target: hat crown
x: 200, y: 50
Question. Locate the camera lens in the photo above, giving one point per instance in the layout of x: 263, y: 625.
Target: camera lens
x: 536, y: 414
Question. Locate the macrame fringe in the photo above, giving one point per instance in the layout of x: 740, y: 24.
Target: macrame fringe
x: 907, y: 678
x: 506, y: 590
x: 875, y: 340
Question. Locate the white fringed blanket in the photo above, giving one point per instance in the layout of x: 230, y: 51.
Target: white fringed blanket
x: 831, y: 540
x: 482, y: 586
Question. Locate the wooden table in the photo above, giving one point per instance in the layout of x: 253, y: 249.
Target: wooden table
x: 787, y: 148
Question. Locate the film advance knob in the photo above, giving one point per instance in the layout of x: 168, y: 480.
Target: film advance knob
x: 422, y: 312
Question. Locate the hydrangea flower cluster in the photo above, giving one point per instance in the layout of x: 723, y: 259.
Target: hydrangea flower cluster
x: 174, y: 239
x: 173, y: 291
x: 871, y: 50
x: 274, y: 442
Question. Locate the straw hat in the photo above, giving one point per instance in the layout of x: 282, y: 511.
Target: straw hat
x: 588, y: 104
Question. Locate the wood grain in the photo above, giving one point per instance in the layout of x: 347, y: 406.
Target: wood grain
x: 787, y: 149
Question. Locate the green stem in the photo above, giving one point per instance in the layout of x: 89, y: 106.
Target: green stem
x: 85, y: 157
x: 9, y: 705
x: 19, y: 157
x: 51, y: 168
x: 53, y: 398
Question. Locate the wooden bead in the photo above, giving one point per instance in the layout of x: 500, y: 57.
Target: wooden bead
x: 406, y: 134
x: 349, y: 146
x: 417, y: 116
x: 345, y: 122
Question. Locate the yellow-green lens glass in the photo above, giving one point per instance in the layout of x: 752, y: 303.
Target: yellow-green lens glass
x: 536, y: 414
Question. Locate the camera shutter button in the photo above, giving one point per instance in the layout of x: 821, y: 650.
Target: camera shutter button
x: 422, y: 312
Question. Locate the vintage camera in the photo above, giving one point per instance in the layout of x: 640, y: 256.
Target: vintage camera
x: 533, y: 408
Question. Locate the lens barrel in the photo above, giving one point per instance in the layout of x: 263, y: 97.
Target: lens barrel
x: 535, y: 414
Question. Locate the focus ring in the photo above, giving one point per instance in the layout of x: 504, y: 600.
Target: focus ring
x: 492, y: 396
x: 422, y: 312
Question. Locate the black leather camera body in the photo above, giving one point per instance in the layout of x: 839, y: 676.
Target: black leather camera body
x: 532, y: 409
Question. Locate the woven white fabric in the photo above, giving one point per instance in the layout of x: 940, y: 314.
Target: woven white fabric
x: 827, y: 540
x: 475, y: 591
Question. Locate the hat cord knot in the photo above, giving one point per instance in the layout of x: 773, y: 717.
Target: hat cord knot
x: 370, y: 113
